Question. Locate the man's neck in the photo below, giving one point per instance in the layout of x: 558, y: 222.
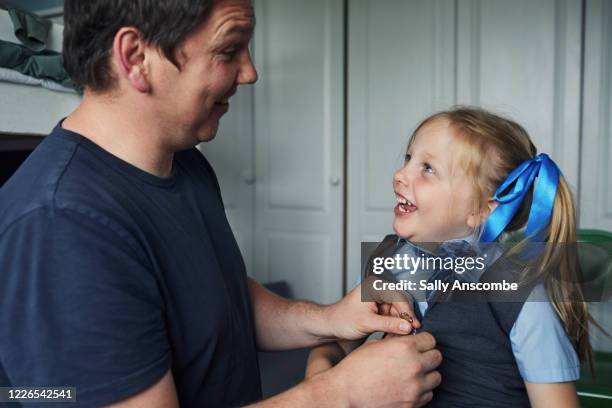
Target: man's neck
x: 123, y: 132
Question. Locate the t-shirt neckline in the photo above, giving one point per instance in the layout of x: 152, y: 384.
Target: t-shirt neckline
x: 116, y: 162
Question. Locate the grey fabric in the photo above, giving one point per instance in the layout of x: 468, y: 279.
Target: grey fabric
x: 16, y: 77
x: 472, y: 332
x: 30, y: 29
x: 41, y: 65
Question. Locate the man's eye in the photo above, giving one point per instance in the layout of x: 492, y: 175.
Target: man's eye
x: 230, y: 53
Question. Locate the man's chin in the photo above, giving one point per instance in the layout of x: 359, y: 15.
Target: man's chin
x: 208, y: 134
x: 208, y: 138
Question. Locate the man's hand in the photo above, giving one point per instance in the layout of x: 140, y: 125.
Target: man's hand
x: 398, y: 371
x: 351, y: 318
x: 282, y: 324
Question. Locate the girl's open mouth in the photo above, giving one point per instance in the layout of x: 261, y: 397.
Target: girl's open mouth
x: 404, y: 206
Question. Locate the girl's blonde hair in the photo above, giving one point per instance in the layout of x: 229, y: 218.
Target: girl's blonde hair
x: 491, y: 148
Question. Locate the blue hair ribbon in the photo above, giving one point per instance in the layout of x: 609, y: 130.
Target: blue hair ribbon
x: 518, y: 184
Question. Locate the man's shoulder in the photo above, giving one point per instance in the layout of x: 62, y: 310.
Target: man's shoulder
x: 59, y: 174
x: 34, y: 184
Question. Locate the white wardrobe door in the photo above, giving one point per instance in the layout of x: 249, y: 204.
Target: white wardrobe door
x: 299, y: 145
x: 522, y: 58
x: 596, y: 184
x: 596, y: 188
x: 400, y: 68
x: 231, y: 155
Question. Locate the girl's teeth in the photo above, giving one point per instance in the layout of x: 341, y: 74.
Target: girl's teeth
x: 405, y: 204
x: 406, y: 208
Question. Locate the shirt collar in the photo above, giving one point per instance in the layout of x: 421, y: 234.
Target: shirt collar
x: 489, y: 252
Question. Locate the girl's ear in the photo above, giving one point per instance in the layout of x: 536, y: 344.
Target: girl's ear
x: 477, y: 218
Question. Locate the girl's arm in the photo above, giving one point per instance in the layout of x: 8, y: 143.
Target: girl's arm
x: 561, y: 395
x: 326, y: 356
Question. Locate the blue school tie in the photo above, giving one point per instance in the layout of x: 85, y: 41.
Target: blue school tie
x: 451, y: 249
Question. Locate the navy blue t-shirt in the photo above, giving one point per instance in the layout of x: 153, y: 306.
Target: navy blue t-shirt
x: 110, y: 276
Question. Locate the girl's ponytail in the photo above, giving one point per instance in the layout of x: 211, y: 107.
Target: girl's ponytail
x: 564, y: 287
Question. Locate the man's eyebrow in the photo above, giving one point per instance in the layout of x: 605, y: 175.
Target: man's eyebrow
x: 239, y: 29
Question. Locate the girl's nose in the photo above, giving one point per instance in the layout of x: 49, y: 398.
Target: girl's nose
x: 402, y: 175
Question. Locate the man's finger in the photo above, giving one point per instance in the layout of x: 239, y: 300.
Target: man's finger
x: 431, y: 359
x: 389, y: 324
x: 425, y: 341
x: 424, y: 399
x: 405, y: 311
x: 384, y: 309
x: 432, y: 380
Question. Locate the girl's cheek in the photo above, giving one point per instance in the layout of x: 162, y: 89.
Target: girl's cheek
x: 423, y: 184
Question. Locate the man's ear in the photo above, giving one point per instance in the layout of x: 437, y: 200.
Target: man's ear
x: 477, y: 218
x: 129, y: 49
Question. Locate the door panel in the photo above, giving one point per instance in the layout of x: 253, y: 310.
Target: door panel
x: 400, y: 67
x: 231, y: 155
x: 299, y: 133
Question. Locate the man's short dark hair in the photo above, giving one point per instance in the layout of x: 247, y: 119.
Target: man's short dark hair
x: 90, y: 27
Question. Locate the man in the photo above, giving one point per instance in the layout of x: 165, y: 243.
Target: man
x: 119, y: 274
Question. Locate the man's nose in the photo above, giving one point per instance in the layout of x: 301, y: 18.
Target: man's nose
x: 248, y: 73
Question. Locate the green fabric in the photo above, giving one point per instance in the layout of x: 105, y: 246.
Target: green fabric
x: 30, y: 29
x: 42, y: 65
x: 595, y: 257
x: 593, y: 235
x: 595, y: 389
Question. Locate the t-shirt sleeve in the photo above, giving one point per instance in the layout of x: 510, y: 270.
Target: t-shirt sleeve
x: 80, y: 308
x: 541, y: 347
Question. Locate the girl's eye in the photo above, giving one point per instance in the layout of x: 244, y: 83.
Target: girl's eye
x: 427, y: 168
x: 407, y: 157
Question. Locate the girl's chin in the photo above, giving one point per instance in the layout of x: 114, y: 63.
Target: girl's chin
x: 402, y: 232
x: 409, y: 235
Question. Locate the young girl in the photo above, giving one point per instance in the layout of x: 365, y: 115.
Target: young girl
x: 470, y: 176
